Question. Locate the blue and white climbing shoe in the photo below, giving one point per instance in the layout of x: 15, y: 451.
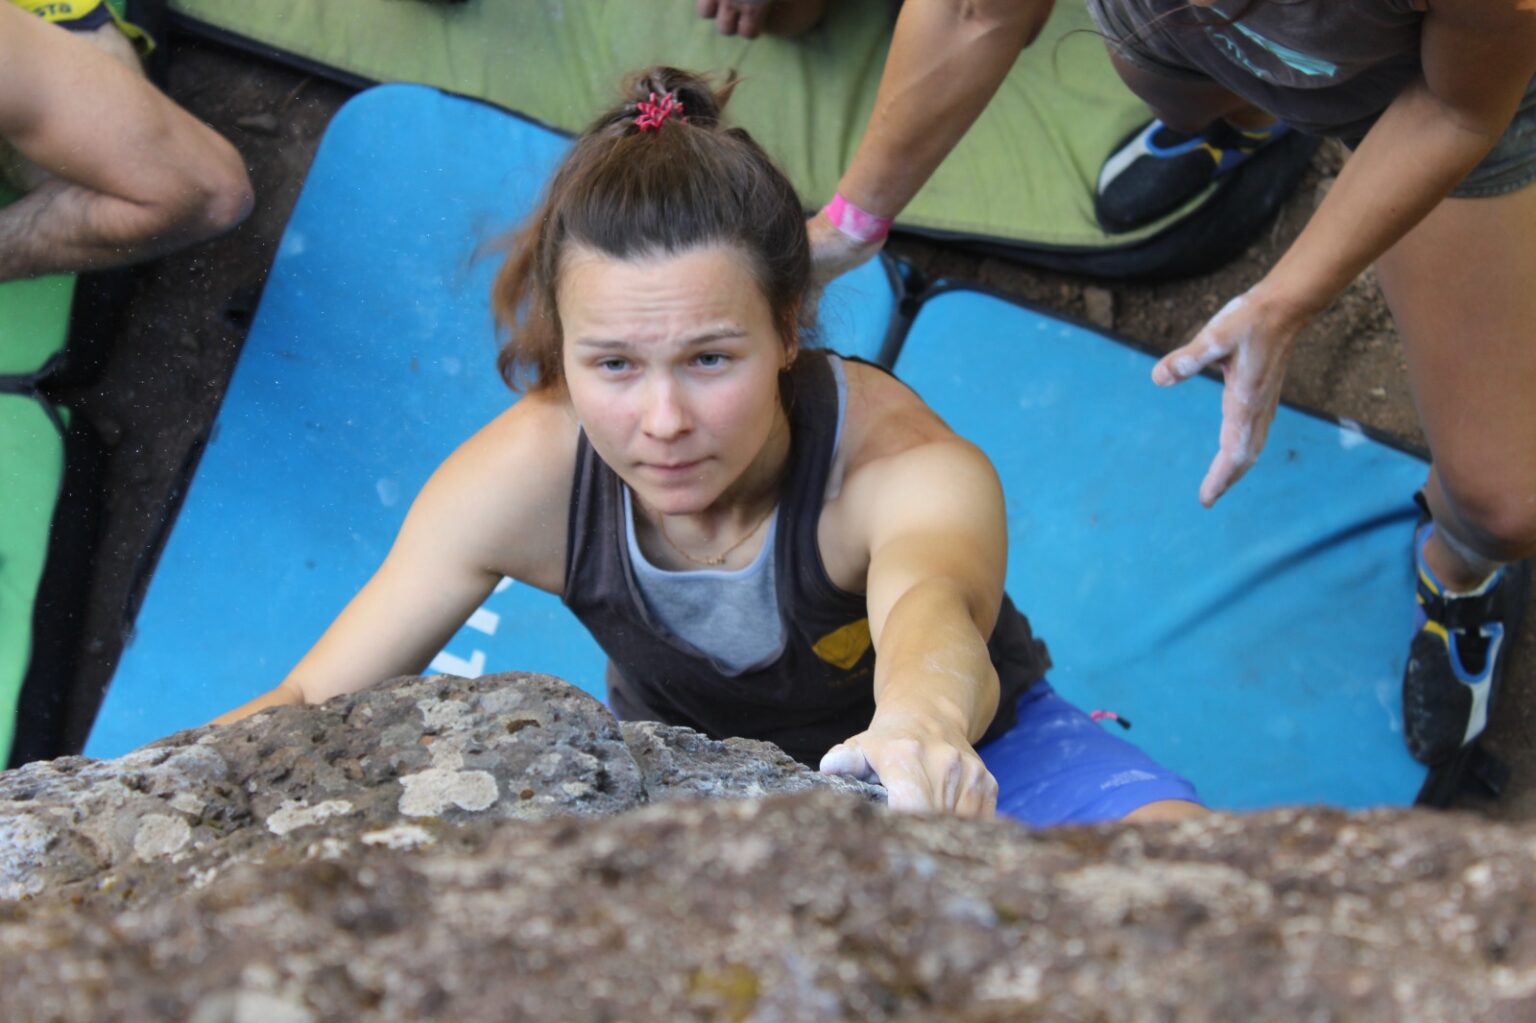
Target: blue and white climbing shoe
x: 1156, y: 169
x: 1459, y: 649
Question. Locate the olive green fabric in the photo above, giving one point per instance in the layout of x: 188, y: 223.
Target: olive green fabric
x: 1023, y: 174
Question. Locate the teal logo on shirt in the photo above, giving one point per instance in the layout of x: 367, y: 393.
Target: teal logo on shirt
x: 1312, y: 67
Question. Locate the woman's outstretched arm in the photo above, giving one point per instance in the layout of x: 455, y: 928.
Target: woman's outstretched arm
x: 938, y: 552
x: 1478, y: 56
x: 496, y: 507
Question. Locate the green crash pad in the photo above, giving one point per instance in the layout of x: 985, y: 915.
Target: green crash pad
x: 34, y: 318
x: 34, y: 327
x: 1021, y: 179
x: 31, y: 476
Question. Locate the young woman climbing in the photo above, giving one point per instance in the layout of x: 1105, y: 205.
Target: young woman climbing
x: 767, y: 540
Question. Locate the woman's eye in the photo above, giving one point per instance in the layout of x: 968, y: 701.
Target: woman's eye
x: 613, y: 365
x: 712, y: 360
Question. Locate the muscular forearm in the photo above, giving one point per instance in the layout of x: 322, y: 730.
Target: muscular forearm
x: 947, y: 59
x: 1414, y: 155
x: 932, y: 663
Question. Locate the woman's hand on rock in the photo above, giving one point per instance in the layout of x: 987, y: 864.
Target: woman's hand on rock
x: 923, y: 769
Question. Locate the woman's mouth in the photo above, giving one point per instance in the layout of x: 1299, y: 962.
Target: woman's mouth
x: 673, y: 470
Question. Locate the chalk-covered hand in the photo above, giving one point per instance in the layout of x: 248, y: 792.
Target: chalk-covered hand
x: 923, y: 769
x: 736, y: 17
x: 834, y: 253
x: 1250, y: 341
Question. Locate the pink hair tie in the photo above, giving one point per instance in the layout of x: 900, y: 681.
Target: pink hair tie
x: 1109, y: 715
x: 653, y: 113
x: 858, y: 224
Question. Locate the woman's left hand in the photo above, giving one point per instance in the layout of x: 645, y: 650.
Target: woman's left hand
x: 923, y: 769
x: 1250, y: 341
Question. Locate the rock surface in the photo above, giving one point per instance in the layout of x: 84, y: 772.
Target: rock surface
x: 414, y: 757
x: 501, y: 849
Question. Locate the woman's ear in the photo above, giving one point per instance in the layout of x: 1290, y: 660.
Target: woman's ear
x: 791, y: 330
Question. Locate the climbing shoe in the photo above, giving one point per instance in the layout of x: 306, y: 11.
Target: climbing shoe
x: 1156, y: 169
x: 1459, y: 649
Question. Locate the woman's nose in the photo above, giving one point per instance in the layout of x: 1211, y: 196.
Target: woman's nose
x: 666, y: 414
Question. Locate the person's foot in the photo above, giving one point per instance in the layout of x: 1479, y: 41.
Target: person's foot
x: 1459, y: 649
x: 1156, y: 169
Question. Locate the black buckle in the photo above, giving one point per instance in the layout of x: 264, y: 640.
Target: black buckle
x: 1460, y: 614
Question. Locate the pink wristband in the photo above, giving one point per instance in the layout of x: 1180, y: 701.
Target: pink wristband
x: 858, y: 224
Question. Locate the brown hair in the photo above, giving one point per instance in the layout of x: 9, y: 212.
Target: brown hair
x: 626, y: 193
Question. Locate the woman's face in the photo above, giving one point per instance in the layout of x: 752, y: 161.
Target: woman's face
x: 672, y: 364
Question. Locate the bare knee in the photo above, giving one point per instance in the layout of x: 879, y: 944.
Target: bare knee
x: 1498, y: 523
x: 1166, y: 810
x: 229, y: 198
x: 212, y: 201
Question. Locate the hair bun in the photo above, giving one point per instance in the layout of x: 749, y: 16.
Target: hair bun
x: 701, y: 103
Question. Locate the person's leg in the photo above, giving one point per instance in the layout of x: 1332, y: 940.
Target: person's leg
x: 1166, y: 810
x: 1057, y: 765
x: 1460, y: 290
x: 133, y: 175
x: 21, y: 173
x: 1459, y: 287
x: 1188, y: 103
x: 1201, y: 131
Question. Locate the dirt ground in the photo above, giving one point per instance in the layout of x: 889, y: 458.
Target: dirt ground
x: 187, y: 317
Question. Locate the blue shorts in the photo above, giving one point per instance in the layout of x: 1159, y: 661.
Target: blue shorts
x: 1057, y: 765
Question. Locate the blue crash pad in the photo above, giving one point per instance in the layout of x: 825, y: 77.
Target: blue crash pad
x: 1257, y: 647
x: 370, y: 359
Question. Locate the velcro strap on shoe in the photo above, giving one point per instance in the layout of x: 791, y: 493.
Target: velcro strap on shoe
x: 1460, y: 614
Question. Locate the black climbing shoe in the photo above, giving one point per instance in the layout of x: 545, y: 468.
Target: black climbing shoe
x: 1457, y: 656
x: 1156, y: 170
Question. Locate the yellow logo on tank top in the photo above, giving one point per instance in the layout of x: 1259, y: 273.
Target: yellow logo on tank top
x: 844, y: 647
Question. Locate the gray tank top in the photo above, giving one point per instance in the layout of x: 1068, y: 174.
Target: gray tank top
x: 730, y: 614
x: 1326, y: 67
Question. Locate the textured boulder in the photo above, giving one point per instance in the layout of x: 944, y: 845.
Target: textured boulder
x: 400, y: 764
x: 817, y: 905
x: 678, y: 763
x: 69, y: 820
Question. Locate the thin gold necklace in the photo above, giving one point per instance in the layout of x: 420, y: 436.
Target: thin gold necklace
x: 719, y: 559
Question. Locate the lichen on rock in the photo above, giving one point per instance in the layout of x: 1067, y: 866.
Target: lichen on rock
x: 269, y: 871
